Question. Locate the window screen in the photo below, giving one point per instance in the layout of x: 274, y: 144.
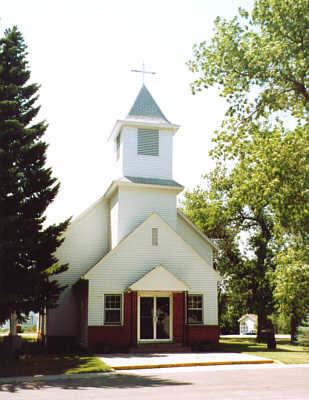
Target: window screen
x: 148, y: 142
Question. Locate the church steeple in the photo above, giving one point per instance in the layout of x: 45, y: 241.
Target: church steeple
x: 144, y: 140
x: 145, y: 108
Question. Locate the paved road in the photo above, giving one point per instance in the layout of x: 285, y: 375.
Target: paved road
x: 237, y: 383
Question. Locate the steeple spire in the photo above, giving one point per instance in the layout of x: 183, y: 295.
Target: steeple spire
x: 145, y: 107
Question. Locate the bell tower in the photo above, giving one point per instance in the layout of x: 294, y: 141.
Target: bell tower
x: 143, y: 141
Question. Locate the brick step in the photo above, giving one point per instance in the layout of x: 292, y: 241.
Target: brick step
x: 160, y: 348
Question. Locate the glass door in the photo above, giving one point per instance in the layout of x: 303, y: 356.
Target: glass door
x: 163, y: 318
x: 154, y: 320
x: 146, y: 318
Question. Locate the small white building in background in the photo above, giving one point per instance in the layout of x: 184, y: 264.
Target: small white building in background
x: 247, y: 324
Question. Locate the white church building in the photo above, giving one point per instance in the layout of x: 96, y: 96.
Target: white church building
x: 140, y: 273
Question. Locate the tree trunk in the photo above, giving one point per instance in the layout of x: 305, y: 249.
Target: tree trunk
x: 13, y: 324
x: 262, y: 318
x: 293, y: 328
x: 12, y: 343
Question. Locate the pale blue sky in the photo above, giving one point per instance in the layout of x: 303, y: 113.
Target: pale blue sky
x: 81, y: 53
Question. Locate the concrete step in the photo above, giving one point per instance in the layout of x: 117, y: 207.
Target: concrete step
x: 160, y: 348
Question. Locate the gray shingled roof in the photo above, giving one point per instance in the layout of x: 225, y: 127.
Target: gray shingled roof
x: 146, y: 108
x: 153, y: 181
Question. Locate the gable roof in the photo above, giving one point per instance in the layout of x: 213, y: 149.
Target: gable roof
x: 203, y: 236
x: 145, y: 107
x: 159, y: 279
x: 253, y: 317
x: 151, y: 182
x: 129, y: 235
x: 135, y: 181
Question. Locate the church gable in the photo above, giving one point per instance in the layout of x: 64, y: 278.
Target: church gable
x: 136, y: 255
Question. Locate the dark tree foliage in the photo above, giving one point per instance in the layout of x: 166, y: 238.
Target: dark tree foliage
x: 243, y: 232
x: 27, y: 260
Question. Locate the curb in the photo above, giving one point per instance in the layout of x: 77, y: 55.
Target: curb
x: 21, y: 379
x: 191, y: 364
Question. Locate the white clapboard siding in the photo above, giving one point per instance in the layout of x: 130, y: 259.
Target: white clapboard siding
x: 114, y: 217
x: 194, y: 239
x: 135, y: 256
x: 86, y: 242
x: 138, y: 203
x: 64, y: 320
x: 146, y: 166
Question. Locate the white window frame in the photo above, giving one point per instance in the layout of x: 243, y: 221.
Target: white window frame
x: 195, y: 308
x: 120, y: 323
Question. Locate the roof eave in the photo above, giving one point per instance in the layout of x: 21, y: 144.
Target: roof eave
x: 118, y: 183
x: 206, y: 238
x: 139, y: 124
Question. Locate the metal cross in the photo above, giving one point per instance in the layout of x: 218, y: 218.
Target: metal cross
x: 142, y: 71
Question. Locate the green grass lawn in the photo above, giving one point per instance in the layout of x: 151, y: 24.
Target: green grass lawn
x: 285, y: 352
x: 38, y: 363
x: 48, y: 364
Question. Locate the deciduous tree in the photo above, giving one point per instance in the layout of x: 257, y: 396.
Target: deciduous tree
x: 292, y: 284
x: 260, y: 64
x: 243, y: 230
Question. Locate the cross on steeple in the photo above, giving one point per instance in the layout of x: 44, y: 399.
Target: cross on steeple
x: 142, y: 71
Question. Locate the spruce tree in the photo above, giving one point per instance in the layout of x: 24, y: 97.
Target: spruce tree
x: 27, y: 187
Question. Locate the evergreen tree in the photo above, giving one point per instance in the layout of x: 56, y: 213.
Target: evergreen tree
x: 27, y: 260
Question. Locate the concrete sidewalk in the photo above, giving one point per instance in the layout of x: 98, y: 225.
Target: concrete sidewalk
x: 147, y: 361
x: 167, y: 360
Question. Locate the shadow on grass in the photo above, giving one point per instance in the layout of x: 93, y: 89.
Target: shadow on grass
x: 50, y: 364
x: 250, y: 345
x: 108, y: 381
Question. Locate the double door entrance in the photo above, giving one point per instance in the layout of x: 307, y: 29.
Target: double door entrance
x: 154, y: 322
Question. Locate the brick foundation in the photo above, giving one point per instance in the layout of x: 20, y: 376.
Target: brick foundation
x: 111, y: 338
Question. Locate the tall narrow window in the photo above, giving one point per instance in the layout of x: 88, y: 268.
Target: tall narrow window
x: 148, y: 142
x: 155, y: 236
x: 195, y: 309
x: 112, y: 309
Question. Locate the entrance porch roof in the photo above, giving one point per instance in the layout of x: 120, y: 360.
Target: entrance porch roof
x: 159, y: 279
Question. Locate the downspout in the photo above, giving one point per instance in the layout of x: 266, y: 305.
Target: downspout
x: 185, y: 325
x: 131, y: 318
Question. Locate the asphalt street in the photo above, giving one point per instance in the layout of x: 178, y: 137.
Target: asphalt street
x: 267, y: 382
